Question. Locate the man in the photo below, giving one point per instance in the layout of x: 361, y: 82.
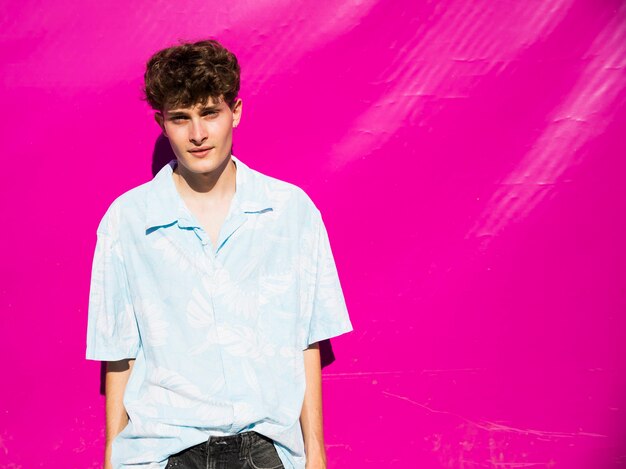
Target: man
x: 212, y: 285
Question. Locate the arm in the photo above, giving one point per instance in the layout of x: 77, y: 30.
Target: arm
x: 311, y: 420
x: 117, y: 374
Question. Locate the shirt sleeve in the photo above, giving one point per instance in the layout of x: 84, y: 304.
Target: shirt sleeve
x: 329, y: 315
x: 112, y: 332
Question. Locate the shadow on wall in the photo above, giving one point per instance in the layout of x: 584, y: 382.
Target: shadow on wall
x: 162, y: 155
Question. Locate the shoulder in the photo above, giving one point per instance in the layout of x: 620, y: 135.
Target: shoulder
x: 284, y: 195
x: 126, y: 206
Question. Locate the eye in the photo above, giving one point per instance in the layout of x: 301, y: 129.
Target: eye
x: 210, y: 113
x: 178, y: 119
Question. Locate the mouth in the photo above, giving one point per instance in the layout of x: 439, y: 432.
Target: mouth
x: 200, y: 152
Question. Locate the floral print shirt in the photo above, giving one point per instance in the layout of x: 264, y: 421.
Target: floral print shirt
x: 217, y: 333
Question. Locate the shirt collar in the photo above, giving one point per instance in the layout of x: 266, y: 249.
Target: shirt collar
x: 165, y: 206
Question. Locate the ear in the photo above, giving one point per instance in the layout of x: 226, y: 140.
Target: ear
x: 237, y: 112
x: 158, y: 117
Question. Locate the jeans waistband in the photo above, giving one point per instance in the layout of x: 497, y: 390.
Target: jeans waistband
x: 239, y: 442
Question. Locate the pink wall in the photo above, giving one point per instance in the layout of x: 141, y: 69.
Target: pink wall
x: 468, y: 157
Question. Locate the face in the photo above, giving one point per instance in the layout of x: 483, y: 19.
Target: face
x: 201, y: 136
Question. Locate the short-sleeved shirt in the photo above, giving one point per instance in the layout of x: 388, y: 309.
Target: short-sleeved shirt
x: 217, y: 332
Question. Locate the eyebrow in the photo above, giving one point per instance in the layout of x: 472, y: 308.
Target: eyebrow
x: 184, y: 113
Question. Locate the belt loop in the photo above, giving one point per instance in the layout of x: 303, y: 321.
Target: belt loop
x: 245, y: 446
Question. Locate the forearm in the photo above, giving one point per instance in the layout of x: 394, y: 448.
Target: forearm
x: 117, y: 375
x: 311, y: 419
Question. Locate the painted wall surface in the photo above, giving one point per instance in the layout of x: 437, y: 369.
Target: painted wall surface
x: 469, y: 160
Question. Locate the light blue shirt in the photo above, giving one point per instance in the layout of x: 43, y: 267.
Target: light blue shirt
x: 217, y: 333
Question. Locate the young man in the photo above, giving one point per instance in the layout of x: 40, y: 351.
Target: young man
x: 211, y: 286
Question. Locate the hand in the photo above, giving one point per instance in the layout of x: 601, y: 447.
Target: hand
x: 107, y: 457
x: 315, y: 465
x: 316, y: 461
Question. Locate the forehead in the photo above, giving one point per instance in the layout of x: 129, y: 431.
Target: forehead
x: 209, y: 102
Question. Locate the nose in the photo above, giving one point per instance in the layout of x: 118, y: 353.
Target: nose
x: 198, y: 132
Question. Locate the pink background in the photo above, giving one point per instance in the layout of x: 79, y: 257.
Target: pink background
x: 469, y: 160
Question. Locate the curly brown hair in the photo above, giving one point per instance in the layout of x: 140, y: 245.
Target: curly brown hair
x: 190, y: 73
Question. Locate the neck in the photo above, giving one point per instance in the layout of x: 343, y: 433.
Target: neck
x: 214, y: 185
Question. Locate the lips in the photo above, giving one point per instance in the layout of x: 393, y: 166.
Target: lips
x: 201, y: 152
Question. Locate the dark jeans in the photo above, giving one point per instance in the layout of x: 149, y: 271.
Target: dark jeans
x: 247, y: 450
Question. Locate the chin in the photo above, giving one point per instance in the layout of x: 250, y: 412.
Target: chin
x: 202, y: 165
